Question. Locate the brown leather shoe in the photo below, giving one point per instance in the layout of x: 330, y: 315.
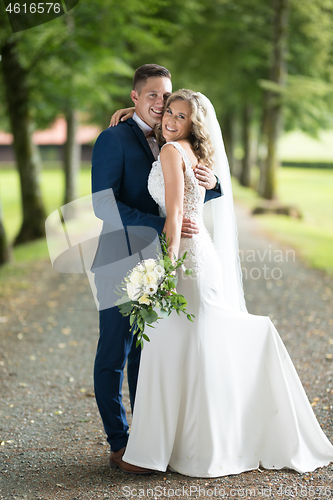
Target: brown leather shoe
x: 117, y: 461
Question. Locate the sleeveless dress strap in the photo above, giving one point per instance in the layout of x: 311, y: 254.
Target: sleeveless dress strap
x: 182, y: 151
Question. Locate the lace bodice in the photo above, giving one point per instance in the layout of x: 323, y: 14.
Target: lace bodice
x: 195, y: 247
x: 193, y: 203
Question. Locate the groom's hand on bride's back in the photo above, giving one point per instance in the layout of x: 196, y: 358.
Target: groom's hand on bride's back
x: 121, y: 115
x: 189, y: 228
x: 205, y: 176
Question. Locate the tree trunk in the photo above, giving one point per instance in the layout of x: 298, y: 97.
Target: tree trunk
x: 71, y: 159
x: 245, y: 177
x: 262, y: 148
x: 17, y: 96
x: 4, y: 248
x: 273, y: 114
x: 229, y: 138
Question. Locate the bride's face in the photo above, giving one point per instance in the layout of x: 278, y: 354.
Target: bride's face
x: 176, y: 121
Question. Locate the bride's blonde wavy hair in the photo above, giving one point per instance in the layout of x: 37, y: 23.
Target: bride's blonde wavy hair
x: 199, y: 137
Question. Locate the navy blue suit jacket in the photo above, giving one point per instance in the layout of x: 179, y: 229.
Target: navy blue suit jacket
x: 122, y: 160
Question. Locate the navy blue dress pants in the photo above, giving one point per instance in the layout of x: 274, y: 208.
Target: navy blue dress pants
x: 116, y: 345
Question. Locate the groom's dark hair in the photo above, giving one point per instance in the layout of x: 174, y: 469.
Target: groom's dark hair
x: 147, y: 71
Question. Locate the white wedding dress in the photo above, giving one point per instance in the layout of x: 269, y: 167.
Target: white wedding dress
x: 220, y: 395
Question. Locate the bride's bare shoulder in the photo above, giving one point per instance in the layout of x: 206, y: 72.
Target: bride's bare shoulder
x: 183, y: 143
x: 171, y: 157
x: 169, y: 149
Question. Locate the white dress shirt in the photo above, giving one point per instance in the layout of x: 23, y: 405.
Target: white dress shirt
x: 151, y: 140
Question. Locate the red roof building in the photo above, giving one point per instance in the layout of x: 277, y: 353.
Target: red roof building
x: 51, y: 141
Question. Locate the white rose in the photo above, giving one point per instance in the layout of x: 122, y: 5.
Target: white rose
x: 144, y: 300
x: 150, y: 278
x: 140, y: 268
x: 150, y: 264
x: 133, y: 291
x: 159, y: 270
x: 150, y: 289
x: 136, y: 277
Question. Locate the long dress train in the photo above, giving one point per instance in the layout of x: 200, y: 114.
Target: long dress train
x: 220, y: 395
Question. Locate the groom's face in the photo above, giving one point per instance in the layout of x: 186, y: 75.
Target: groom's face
x: 149, y: 102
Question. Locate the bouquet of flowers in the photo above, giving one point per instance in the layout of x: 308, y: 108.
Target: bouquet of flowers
x: 149, y: 287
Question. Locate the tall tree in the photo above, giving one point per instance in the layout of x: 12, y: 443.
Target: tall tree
x: 245, y: 175
x: 72, y: 150
x: 273, y: 114
x: 72, y: 158
x: 18, y: 102
x: 228, y: 127
x: 305, y: 93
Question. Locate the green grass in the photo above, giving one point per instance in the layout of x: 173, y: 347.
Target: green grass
x: 310, y: 190
x: 52, y: 184
x: 298, y: 146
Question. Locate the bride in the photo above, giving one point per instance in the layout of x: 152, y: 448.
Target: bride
x: 220, y: 395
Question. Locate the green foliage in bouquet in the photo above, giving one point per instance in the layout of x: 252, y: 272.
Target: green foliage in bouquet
x: 150, y: 292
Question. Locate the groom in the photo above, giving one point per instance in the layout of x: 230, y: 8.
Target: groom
x: 122, y: 159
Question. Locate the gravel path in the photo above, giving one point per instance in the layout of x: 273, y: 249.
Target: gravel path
x: 52, y: 442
